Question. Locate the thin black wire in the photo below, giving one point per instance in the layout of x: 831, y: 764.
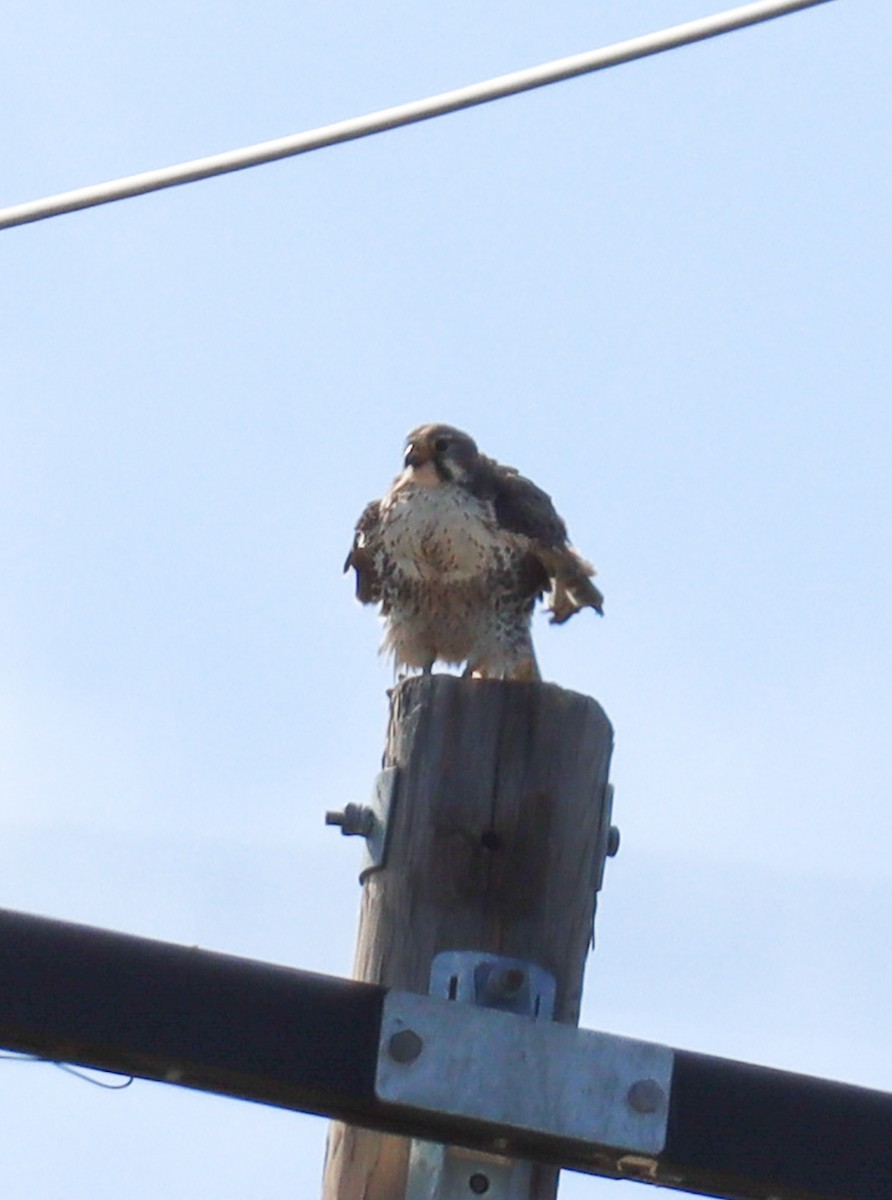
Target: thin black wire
x: 67, y: 1067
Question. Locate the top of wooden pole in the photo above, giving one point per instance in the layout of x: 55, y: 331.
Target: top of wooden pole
x: 500, y: 827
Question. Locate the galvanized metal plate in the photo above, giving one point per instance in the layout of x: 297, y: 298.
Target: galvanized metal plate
x: 604, y: 836
x: 515, y: 1072
x: 450, y: 1173
x: 375, y: 854
x: 493, y: 981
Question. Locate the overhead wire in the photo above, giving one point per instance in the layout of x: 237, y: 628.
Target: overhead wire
x: 404, y: 114
x: 25, y: 1057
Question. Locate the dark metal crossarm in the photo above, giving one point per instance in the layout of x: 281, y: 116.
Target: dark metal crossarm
x: 393, y: 1061
x: 749, y: 1131
x: 182, y: 1015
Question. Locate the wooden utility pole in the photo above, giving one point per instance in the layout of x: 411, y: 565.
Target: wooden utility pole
x: 496, y: 843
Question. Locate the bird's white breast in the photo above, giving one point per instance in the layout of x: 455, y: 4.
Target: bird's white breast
x: 443, y: 533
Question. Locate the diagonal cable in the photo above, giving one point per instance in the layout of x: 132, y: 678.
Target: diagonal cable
x: 404, y: 114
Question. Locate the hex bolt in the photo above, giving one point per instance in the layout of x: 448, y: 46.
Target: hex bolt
x: 405, y: 1046
x: 645, y: 1096
x: 504, y: 983
x: 479, y: 1183
x: 355, y: 820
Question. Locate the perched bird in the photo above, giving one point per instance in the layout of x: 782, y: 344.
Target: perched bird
x: 456, y: 554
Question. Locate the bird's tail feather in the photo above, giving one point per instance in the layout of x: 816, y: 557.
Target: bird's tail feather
x: 572, y: 588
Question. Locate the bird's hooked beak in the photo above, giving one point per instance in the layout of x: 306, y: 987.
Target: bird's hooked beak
x: 417, y: 454
x: 422, y: 468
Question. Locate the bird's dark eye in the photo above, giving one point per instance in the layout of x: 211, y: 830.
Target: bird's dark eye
x: 441, y: 444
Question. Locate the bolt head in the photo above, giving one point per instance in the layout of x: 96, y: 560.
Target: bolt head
x: 645, y: 1096
x: 405, y: 1046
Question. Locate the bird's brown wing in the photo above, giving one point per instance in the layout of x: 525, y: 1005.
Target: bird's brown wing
x: 523, y: 508
x: 361, y: 557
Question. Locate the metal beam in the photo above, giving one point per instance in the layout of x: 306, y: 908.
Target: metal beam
x: 337, y: 1048
x: 749, y: 1131
x: 181, y: 1015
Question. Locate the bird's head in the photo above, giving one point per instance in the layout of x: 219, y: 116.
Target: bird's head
x: 440, y: 454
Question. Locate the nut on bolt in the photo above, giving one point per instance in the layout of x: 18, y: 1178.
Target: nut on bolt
x: 504, y: 983
x: 357, y: 820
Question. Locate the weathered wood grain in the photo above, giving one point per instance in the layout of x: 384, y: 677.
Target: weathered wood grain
x: 497, y: 843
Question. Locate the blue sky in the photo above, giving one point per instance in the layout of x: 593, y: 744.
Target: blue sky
x: 661, y: 291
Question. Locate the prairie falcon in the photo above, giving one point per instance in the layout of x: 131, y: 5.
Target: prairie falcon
x: 457, y: 552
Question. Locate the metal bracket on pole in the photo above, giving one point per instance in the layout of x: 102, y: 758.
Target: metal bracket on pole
x: 493, y: 981
x: 607, y: 1095
x: 438, y: 1172
x: 609, y: 836
x: 370, y: 821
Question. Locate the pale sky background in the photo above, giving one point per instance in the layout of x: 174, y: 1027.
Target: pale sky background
x: 661, y: 291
